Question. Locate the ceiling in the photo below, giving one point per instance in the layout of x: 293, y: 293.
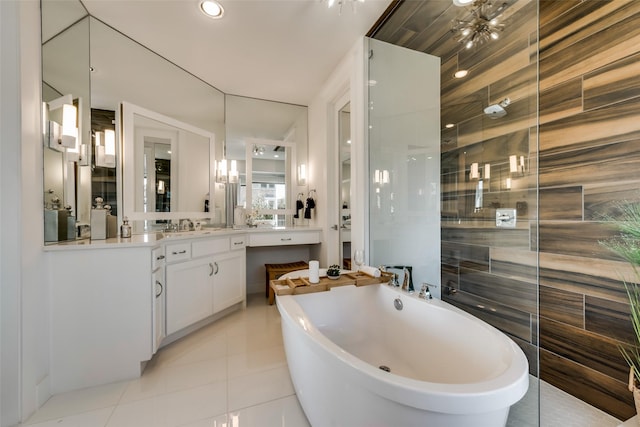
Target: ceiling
x: 280, y: 50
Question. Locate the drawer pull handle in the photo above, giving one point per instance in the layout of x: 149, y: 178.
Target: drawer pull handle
x: 217, y: 267
x: 161, y: 288
x: 288, y: 239
x: 158, y: 258
x: 184, y: 251
x: 238, y: 243
x: 211, y: 270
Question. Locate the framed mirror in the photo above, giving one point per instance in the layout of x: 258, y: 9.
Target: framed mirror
x: 167, y: 172
x: 268, y: 192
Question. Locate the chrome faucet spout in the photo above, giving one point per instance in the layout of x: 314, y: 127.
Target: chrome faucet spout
x: 407, y: 284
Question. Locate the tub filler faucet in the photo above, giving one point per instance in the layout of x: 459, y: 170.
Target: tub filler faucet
x: 407, y: 281
x: 425, y: 293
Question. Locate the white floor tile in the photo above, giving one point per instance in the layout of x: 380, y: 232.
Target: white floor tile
x: 193, y: 349
x: 257, y: 388
x: 256, y: 361
x: 173, y: 409
x: 77, y: 402
x: 220, y: 421
x: 283, y: 412
x: 97, y: 418
x: 166, y: 379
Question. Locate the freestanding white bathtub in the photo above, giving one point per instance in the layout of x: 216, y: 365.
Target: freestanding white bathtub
x: 447, y: 368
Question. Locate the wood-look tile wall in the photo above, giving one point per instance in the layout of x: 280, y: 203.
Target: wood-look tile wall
x: 571, y: 69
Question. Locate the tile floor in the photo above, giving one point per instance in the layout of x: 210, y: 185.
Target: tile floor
x: 233, y: 373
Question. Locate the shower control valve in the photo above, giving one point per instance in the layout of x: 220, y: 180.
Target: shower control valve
x: 506, y: 218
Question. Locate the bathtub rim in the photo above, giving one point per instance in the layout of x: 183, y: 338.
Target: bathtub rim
x: 480, y: 397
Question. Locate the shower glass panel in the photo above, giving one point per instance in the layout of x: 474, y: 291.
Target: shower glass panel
x: 404, y: 161
x: 478, y: 243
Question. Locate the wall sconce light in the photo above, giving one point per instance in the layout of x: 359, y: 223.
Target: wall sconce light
x: 302, y: 174
x: 161, y: 188
x: 513, y: 164
x: 221, y: 175
x: 106, y: 148
x: 233, y: 173
x: 474, y: 173
x: 62, y: 123
x: 110, y: 146
x: 381, y: 177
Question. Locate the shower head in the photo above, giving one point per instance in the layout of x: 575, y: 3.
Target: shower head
x: 496, y: 111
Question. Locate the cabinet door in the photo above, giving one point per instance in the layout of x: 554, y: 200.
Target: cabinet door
x: 189, y: 293
x: 229, y: 280
x: 158, y: 308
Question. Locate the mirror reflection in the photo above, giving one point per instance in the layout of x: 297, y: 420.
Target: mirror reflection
x: 344, y: 129
x: 165, y: 168
x: 65, y: 95
x: 268, y: 142
x: 266, y: 194
x: 122, y: 70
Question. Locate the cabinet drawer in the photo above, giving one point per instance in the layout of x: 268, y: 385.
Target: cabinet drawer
x: 238, y: 242
x: 285, y: 238
x: 178, y: 252
x: 157, y: 258
x: 209, y: 246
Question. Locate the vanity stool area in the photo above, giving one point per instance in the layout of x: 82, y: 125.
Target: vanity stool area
x: 274, y: 271
x: 115, y: 302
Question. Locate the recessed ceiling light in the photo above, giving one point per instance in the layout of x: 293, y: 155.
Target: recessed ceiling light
x: 449, y: 125
x: 212, y: 9
x: 460, y: 74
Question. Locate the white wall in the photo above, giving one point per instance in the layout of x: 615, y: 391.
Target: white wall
x: 34, y: 283
x: 348, y: 77
x: 9, y: 213
x: 24, y: 287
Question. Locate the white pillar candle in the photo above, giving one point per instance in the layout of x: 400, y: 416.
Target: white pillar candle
x: 314, y: 271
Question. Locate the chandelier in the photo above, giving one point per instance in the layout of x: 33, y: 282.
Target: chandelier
x: 340, y: 3
x: 480, y: 22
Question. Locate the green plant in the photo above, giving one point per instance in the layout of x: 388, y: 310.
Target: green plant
x: 627, y: 245
x: 333, y: 270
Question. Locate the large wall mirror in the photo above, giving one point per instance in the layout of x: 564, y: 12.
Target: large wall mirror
x: 86, y: 58
x: 268, y: 142
x: 166, y: 165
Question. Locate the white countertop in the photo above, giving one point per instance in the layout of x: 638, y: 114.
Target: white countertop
x: 153, y: 239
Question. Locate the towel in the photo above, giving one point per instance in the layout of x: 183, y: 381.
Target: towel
x: 299, y: 207
x: 371, y: 271
x: 311, y: 204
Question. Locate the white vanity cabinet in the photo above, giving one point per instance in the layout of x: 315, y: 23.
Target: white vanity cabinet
x: 189, y: 293
x: 101, y: 314
x: 208, y: 280
x: 229, y: 281
x: 158, y: 297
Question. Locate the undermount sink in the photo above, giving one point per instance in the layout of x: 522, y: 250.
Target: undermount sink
x: 175, y: 234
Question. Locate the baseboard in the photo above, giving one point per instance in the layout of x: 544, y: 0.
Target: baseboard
x: 43, y: 391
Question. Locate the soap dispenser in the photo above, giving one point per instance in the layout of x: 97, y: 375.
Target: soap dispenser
x: 125, y: 228
x: 98, y: 221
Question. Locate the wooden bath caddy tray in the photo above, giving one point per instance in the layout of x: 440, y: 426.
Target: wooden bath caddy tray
x: 303, y: 286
